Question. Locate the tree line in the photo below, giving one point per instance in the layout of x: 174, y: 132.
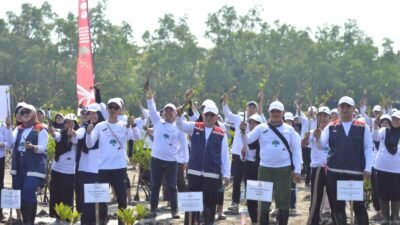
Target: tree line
x: 38, y: 54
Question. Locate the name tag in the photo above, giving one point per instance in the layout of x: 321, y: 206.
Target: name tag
x: 190, y: 201
x: 350, y: 190
x: 96, y: 193
x: 259, y: 190
x: 10, y: 199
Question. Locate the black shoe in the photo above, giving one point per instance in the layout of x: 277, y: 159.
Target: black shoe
x: 175, y: 215
x: 152, y: 214
x: 282, y: 216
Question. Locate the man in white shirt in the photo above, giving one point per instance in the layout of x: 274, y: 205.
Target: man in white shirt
x: 169, y: 144
x: 209, y: 160
x: 280, y: 160
x: 349, y: 157
x: 238, y: 165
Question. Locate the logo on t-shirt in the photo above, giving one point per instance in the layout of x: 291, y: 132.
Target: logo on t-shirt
x: 165, y: 136
x: 275, y: 143
x: 113, y: 142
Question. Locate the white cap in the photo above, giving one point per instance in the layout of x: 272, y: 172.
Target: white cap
x: 362, y: 119
x: 386, y: 116
x: 289, y: 116
x: 334, y: 111
x: 313, y: 108
x: 324, y: 109
x: 170, y: 105
x: 116, y: 101
x: 30, y: 107
x: 396, y: 114
x: 256, y: 118
x: 377, y: 108
x: 70, y: 116
x: 252, y: 103
x: 210, y: 108
x: 122, y: 101
x: 208, y: 102
x: 347, y: 100
x: 276, y: 105
x: 93, y: 107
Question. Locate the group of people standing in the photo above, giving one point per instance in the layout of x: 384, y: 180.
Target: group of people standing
x: 190, y: 152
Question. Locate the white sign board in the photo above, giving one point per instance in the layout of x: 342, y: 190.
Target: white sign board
x: 190, y: 201
x: 10, y: 199
x: 5, y: 96
x: 259, y: 190
x: 350, y: 190
x: 96, y: 193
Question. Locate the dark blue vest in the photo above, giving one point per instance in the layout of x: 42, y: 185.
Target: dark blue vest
x: 346, y: 152
x: 33, y: 164
x: 206, y: 156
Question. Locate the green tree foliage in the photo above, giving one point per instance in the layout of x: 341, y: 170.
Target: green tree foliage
x: 38, y: 53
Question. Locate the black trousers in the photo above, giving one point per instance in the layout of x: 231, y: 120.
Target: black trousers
x: 209, y: 187
x: 306, y: 152
x: 88, y: 216
x: 61, y: 190
x: 318, y: 183
x: 238, y: 175
x: 117, y: 179
x: 374, y: 191
x: 2, y: 166
x: 251, y: 173
x: 338, y: 207
x: 180, y: 179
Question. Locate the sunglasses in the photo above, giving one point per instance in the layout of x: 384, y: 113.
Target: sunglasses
x: 25, y: 111
x: 209, y: 115
x: 115, y: 107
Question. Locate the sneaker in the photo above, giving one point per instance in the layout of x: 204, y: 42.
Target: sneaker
x: 233, y: 206
x: 175, y: 215
x: 152, y: 214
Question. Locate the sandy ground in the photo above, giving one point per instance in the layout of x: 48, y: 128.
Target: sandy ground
x: 164, y: 217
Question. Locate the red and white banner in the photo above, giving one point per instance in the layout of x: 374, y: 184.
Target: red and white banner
x: 84, y: 68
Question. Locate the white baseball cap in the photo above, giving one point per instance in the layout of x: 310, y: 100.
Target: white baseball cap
x: 276, y: 105
x: 170, y: 105
x: 324, y: 109
x: 256, y: 118
x: 252, y: 103
x: 70, y: 116
x: 396, y: 114
x: 93, y: 107
x: 116, y: 101
x: 347, y: 100
x: 334, y: 111
x: 28, y: 106
x: 289, y: 116
x: 377, y: 108
x: 208, y: 102
x: 210, y: 108
x: 386, y: 116
x: 313, y: 108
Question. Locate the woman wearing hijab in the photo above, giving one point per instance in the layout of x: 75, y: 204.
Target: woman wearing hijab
x: 387, y: 166
x: 63, y: 167
x: 58, y: 122
x: 29, y: 161
x: 89, y: 165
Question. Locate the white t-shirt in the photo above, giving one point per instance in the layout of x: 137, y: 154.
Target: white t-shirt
x: 112, y: 143
x: 273, y: 152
